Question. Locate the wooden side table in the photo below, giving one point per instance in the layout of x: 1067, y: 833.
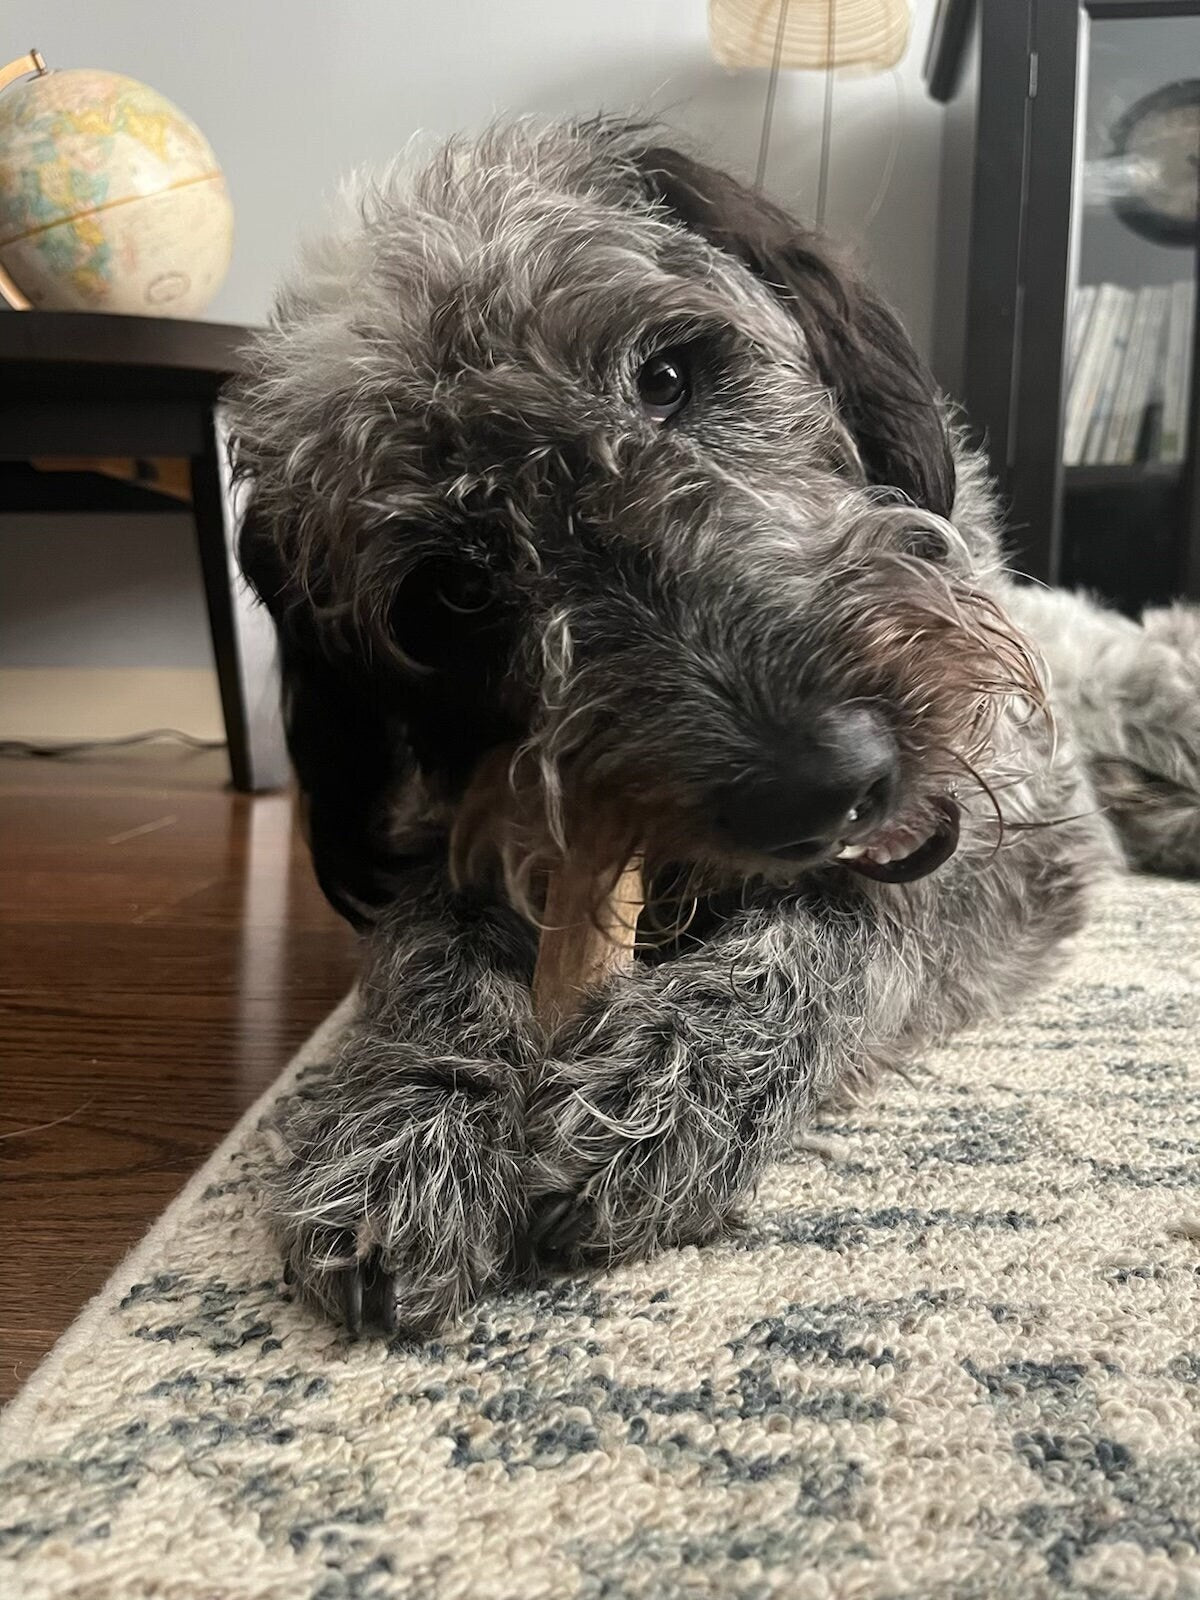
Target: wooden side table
x: 75, y: 384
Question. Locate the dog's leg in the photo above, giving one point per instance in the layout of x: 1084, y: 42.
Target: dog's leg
x: 662, y: 1102
x: 1130, y: 694
x: 668, y: 1093
x: 1150, y: 783
x: 396, y: 1198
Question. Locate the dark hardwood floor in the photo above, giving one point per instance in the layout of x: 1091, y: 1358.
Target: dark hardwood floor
x: 163, y: 952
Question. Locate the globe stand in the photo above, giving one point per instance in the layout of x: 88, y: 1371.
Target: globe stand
x: 23, y: 67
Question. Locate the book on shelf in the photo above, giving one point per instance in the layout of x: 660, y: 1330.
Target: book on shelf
x: 1116, y: 344
x: 1090, y: 369
x: 1128, y: 365
x: 1176, y: 380
x: 1140, y: 369
x: 1083, y: 302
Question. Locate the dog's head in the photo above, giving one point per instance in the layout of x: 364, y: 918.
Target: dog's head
x: 576, y: 445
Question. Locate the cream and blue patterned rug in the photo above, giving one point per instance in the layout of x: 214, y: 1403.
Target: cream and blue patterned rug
x: 957, y: 1355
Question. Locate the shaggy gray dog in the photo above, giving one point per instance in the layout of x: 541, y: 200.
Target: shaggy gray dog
x: 574, y: 448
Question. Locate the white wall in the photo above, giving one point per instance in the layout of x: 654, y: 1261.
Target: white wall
x: 291, y: 93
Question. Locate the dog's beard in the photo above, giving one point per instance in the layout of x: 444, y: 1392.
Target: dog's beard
x: 940, y: 655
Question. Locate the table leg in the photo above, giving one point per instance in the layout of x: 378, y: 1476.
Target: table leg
x: 242, y: 633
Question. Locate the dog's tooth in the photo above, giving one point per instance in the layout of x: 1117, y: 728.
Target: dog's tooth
x: 851, y: 852
x: 880, y: 855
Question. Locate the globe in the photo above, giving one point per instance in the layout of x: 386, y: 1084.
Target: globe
x: 110, y: 198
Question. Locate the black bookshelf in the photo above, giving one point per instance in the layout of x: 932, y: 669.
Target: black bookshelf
x: 1021, y: 81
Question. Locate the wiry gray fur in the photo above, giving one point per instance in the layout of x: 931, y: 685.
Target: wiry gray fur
x: 452, y: 378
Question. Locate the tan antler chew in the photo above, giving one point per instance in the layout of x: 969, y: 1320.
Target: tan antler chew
x: 583, y: 943
x: 588, y: 933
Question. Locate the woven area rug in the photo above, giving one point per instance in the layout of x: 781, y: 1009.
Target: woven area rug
x: 957, y: 1355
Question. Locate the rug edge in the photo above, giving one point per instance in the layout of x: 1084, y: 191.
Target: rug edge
x: 22, y: 1410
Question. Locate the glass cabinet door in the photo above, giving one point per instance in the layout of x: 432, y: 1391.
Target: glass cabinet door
x: 1131, y: 334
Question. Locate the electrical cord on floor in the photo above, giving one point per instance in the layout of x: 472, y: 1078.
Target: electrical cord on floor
x: 83, y: 747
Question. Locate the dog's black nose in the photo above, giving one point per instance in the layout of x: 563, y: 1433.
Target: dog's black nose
x: 829, y: 782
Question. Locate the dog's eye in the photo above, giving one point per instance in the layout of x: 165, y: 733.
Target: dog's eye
x: 927, y: 544
x: 442, y: 611
x: 663, y: 385
x: 463, y: 591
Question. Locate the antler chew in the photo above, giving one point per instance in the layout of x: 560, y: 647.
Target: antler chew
x: 589, y: 931
x: 583, y: 942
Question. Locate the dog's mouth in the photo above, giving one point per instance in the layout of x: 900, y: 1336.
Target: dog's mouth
x: 900, y: 854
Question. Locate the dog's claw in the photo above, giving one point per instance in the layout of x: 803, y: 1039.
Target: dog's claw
x: 389, y: 1311
x: 553, y: 1227
x: 379, y: 1300
x: 362, y: 1295
x: 352, y: 1299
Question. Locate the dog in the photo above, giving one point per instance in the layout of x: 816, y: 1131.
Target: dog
x: 572, y: 446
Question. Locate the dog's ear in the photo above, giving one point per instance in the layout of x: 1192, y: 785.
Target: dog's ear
x: 886, y: 396
x: 342, y: 748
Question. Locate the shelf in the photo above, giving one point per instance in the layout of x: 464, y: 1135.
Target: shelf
x: 25, y: 490
x: 1144, y: 474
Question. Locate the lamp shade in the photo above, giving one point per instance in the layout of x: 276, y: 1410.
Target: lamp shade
x: 872, y: 34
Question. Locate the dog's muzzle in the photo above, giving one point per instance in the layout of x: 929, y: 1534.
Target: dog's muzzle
x: 831, y: 792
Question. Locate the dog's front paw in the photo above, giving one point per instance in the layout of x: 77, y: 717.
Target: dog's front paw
x: 397, y: 1209
x: 625, y: 1213
x: 628, y: 1157
x: 412, y: 1286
